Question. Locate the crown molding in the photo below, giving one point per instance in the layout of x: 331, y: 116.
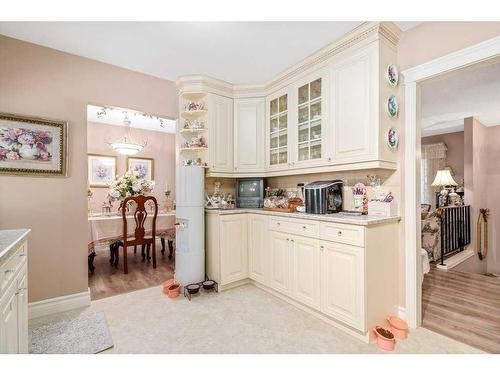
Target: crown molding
x: 365, y: 33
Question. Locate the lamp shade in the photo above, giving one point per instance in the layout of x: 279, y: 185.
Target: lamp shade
x: 443, y: 178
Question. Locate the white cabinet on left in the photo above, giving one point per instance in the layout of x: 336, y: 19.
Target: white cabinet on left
x: 14, y: 301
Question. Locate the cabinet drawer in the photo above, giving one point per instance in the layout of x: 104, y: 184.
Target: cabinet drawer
x: 297, y: 227
x: 10, y: 268
x: 343, y: 233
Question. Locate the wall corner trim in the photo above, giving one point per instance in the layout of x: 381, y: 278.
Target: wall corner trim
x: 58, y: 304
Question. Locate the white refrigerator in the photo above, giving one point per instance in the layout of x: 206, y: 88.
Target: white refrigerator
x: 190, y: 216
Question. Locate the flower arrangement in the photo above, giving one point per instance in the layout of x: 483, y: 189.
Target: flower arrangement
x: 20, y: 143
x: 129, y: 185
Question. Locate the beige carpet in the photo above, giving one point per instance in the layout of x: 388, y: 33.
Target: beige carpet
x: 241, y: 320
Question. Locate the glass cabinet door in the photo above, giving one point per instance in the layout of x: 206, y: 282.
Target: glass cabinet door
x: 278, y: 130
x: 309, y: 121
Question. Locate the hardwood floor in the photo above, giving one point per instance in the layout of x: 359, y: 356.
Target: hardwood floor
x: 107, y: 281
x: 463, y: 306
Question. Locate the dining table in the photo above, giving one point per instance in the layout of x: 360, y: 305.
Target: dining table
x: 107, y: 228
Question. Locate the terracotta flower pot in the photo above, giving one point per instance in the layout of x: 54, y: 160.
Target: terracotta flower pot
x: 167, y: 283
x: 174, y: 290
x: 385, y: 338
x: 398, y: 327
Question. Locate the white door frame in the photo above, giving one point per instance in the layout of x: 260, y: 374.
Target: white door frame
x: 413, y: 77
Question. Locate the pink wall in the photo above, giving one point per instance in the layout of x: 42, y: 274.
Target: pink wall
x: 491, y: 193
x: 160, y: 146
x: 43, y: 82
x: 482, y: 181
x: 455, y: 153
x: 476, y: 159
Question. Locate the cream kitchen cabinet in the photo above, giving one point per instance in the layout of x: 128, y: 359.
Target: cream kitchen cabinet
x: 226, y: 255
x: 220, y: 134
x: 358, y: 96
x: 309, y: 122
x: 306, y: 270
x: 279, y: 259
x: 278, y: 130
x: 342, y: 270
x: 258, y: 254
x: 335, y: 270
x: 13, y: 292
x: 233, y: 247
x: 249, y: 119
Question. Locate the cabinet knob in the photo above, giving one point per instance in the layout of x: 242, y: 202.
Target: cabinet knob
x: 288, y: 239
x: 339, y: 233
x: 278, y: 223
x: 322, y: 247
x: 22, y: 255
x: 304, y: 227
x: 9, y: 271
x: 329, y: 159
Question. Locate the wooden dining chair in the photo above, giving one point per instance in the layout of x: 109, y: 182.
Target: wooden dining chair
x: 139, y: 237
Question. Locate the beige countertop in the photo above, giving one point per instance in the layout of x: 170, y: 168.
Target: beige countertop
x: 8, y: 241
x: 336, y: 218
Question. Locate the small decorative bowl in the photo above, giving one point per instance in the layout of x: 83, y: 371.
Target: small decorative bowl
x: 208, y: 284
x: 192, y: 288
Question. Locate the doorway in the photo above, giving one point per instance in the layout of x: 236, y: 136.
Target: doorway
x: 121, y: 140
x: 414, y: 77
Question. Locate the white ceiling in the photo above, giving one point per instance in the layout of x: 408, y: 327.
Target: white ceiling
x: 139, y: 120
x: 447, y: 100
x: 236, y: 52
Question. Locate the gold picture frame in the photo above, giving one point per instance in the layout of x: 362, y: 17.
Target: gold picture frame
x: 101, y: 170
x: 150, y: 162
x: 33, y: 146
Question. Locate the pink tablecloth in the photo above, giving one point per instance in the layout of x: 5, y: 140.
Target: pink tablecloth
x: 106, y: 229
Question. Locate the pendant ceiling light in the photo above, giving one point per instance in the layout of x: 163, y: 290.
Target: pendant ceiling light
x: 126, y: 145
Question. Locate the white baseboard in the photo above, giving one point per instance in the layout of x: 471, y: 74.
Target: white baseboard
x: 456, y: 259
x: 58, y: 304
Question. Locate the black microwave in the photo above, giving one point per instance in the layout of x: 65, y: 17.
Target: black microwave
x: 250, y: 192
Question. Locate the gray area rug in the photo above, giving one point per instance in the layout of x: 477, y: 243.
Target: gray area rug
x: 86, y: 334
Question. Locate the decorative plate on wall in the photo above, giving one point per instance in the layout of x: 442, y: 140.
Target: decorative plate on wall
x: 392, y: 75
x: 393, y: 139
x: 392, y: 106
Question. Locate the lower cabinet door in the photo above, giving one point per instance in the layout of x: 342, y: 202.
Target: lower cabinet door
x: 342, y: 285
x: 280, y: 262
x: 22, y: 313
x: 258, y: 252
x: 233, y: 243
x: 9, y: 342
x: 306, y: 271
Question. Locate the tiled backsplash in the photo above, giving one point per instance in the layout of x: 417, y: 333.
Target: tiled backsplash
x: 390, y: 182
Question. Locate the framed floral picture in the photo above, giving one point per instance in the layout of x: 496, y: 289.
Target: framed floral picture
x: 101, y: 170
x: 32, y: 146
x: 144, y: 166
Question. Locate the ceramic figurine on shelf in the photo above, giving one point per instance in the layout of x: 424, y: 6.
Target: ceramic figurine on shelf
x: 194, y: 106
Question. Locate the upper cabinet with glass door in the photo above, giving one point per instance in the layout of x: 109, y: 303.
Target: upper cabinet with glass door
x: 310, y: 106
x: 278, y: 138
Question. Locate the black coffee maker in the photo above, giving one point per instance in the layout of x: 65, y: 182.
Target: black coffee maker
x: 324, y: 197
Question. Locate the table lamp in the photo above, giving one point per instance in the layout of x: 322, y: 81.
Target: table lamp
x: 443, y: 178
